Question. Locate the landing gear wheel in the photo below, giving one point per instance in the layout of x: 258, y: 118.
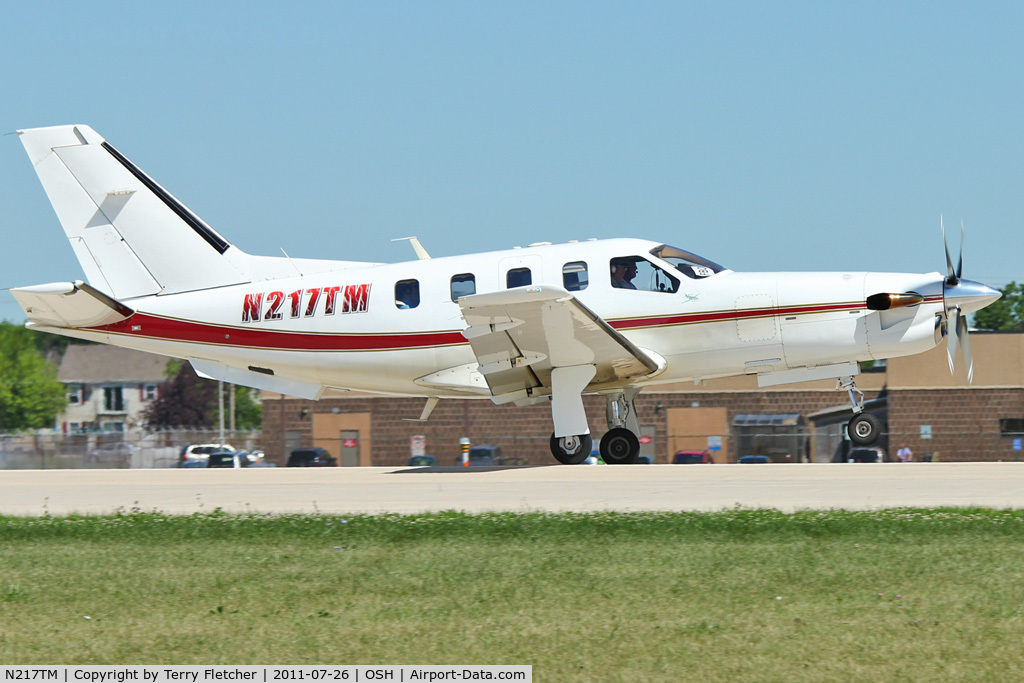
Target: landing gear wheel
x: 619, y: 446
x: 571, y: 450
x: 864, y: 429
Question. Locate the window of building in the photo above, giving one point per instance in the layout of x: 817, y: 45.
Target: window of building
x: 1011, y: 426
x: 113, y: 399
x: 518, y: 277
x: 407, y: 293
x: 574, y: 276
x: 75, y: 395
x: 148, y: 392
x: 463, y: 284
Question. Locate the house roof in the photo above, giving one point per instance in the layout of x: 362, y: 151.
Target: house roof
x: 102, y: 363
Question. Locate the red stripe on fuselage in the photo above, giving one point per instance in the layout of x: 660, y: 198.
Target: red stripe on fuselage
x: 170, y: 329
x: 147, y: 326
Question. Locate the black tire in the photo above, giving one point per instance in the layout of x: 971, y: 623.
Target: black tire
x: 580, y: 449
x: 864, y: 429
x: 620, y: 446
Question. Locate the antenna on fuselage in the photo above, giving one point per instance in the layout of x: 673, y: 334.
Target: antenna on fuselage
x: 290, y: 261
x: 421, y: 253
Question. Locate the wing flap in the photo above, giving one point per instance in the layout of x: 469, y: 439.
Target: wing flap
x: 70, y: 304
x: 519, y: 335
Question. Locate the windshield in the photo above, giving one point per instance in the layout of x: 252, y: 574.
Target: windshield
x: 689, y: 264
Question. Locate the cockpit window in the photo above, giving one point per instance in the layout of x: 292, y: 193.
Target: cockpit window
x: 636, y: 272
x: 689, y: 264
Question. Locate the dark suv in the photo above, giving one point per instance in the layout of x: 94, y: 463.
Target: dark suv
x: 311, y: 457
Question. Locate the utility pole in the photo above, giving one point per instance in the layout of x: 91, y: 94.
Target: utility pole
x: 220, y: 408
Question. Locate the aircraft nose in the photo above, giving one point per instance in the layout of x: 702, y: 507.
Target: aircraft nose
x: 969, y: 296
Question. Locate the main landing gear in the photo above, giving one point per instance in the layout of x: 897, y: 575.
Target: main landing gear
x: 864, y: 429
x: 571, y: 450
x: 619, y: 445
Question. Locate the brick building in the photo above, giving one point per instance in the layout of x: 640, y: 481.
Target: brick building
x: 925, y: 408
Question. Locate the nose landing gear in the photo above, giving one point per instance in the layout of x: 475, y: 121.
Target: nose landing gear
x: 863, y: 429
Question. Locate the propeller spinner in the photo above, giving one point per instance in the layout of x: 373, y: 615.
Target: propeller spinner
x: 961, y: 297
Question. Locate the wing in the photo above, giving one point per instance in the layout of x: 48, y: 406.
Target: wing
x: 519, y: 335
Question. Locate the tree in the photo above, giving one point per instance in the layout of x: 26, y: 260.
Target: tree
x: 1006, y: 314
x: 184, y: 400
x: 248, y: 411
x: 187, y: 400
x: 30, y: 395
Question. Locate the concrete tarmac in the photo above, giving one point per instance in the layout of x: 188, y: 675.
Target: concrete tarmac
x: 478, y: 489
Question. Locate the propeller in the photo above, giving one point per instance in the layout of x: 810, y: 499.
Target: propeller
x: 961, y: 297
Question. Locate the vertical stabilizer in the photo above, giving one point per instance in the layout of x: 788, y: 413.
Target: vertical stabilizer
x: 132, y: 237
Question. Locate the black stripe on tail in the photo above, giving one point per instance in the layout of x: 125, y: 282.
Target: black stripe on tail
x: 194, y: 221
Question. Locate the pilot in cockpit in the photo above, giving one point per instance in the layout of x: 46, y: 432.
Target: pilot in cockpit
x: 623, y: 272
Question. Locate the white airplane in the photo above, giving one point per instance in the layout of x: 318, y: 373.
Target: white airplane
x: 549, y: 322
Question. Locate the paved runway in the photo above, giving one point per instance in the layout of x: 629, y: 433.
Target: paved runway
x: 556, y: 488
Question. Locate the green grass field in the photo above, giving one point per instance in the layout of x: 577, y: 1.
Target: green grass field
x: 917, y: 595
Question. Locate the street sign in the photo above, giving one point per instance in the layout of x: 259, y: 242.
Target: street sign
x: 926, y: 431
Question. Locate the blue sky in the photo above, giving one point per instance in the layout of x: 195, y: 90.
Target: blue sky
x: 764, y: 136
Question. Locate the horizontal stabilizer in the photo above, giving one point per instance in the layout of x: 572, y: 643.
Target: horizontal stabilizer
x: 70, y: 304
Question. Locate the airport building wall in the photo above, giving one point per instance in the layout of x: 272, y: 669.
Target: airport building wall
x: 926, y: 408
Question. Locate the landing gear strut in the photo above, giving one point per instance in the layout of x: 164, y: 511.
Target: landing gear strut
x: 864, y: 429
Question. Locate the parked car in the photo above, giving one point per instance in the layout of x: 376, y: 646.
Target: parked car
x: 866, y: 454
x: 111, y: 452
x: 693, y: 458
x: 224, y: 459
x: 422, y: 461
x: 311, y: 457
x: 201, y: 451
x: 254, y: 459
x: 754, y: 460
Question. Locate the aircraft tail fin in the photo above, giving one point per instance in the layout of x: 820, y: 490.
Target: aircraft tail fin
x: 132, y: 237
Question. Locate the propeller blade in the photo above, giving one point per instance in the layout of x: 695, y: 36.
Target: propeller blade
x: 965, y: 347
x: 953, y: 318
x: 951, y: 277
x: 960, y: 259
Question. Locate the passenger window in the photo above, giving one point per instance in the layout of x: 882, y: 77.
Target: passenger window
x: 518, y: 277
x: 463, y: 284
x: 574, y: 276
x: 635, y: 272
x: 407, y: 293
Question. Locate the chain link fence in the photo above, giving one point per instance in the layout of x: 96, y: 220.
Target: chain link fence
x: 106, y: 450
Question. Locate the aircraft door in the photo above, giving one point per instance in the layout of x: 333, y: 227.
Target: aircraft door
x: 520, y: 271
